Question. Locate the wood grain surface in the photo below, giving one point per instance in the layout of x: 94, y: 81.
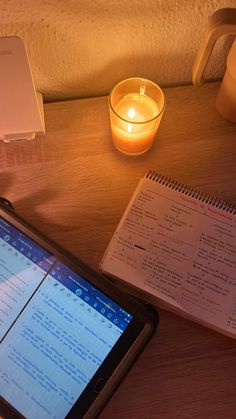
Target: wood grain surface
x: 74, y: 185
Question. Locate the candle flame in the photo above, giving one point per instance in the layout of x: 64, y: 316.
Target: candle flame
x: 131, y: 113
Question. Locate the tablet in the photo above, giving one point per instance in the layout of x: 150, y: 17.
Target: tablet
x: 68, y: 336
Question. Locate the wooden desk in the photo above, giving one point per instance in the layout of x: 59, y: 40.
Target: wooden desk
x: 74, y: 185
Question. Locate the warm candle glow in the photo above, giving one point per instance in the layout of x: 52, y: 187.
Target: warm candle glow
x: 131, y: 113
x: 134, y: 121
x: 133, y: 136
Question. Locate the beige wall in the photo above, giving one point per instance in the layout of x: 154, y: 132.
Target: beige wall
x: 80, y: 48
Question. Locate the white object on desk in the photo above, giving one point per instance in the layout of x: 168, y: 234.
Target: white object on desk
x: 222, y: 22
x: 21, y: 107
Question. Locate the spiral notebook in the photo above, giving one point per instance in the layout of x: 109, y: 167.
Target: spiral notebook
x: 176, y: 247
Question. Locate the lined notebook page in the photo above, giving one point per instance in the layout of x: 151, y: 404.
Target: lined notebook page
x: 180, y: 249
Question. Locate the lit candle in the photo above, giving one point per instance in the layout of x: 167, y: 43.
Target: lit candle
x: 136, y: 107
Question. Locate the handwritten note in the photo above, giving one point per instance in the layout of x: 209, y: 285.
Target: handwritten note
x: 180, y: 249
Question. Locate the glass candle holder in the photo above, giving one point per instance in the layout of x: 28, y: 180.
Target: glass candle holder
x: 136, y: 107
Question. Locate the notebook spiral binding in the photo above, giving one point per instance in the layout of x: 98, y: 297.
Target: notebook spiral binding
x: 190, y: 191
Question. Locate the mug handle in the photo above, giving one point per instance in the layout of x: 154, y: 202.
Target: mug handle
x: 222, y: 22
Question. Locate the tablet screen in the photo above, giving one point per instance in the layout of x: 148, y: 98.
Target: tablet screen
x: 56, y: 328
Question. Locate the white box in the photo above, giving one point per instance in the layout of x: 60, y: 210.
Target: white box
x: 21, y: 107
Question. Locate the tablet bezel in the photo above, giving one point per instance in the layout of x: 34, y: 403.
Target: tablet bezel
x: 128, y: 346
